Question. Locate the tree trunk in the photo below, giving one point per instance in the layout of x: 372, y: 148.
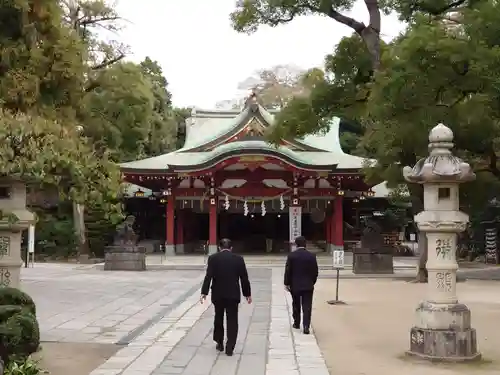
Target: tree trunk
x: 371, y: 38
x: 371, y: 33
x: 417, y: 203
x: 422, y: 275
x: 79, y: 224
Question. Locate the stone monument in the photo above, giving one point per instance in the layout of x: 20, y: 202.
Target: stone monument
x: 14, y: 218
x: 124, y: 254
x: 373, y: 256
x: 443, y: 327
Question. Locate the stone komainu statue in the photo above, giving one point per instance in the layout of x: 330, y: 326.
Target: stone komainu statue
x: 372, y: 237
x: 125, y: 234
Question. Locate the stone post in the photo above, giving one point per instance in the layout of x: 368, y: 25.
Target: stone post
x: 443, y: 327
x: 15, y: 218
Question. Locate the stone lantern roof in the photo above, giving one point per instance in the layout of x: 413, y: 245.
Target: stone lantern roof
x: 441, y: 165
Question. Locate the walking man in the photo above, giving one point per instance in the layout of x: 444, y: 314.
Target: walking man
x: 301, y: 274
x: 225, y: 271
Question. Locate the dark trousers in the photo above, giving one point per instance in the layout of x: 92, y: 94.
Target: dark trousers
x: 230, y: 308
x: 302, y: 300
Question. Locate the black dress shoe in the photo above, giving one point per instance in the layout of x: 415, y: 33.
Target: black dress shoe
x: 306, y: 331
x: 296, y: 326
x: 229, y: 353
x: 220, y: 347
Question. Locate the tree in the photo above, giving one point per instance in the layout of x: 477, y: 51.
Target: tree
x: 438, y: 71
x: 275, y: 87
x: 43, y: 78
x: 91, y: 19
x: 45, y: 152
x: 250, y: 14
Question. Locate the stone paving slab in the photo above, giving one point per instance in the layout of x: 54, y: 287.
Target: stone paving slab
x: 103, y: 307
x: 169, y: 332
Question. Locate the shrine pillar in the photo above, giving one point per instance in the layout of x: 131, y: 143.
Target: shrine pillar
x: 212, y: 234
x: 170, y: 229
x: 337, y: 228
x: 179, y: 235
x: 327, y: 231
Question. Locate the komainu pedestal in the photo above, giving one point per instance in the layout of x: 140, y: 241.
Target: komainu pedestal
x: 442, y: 331
x: 125, y: 255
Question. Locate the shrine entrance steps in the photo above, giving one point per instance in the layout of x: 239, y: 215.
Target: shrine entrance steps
x: 261, y: 260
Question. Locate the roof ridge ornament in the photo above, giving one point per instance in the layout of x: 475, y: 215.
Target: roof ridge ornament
x: 252, y: 101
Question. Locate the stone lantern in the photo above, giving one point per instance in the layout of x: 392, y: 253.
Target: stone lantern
x: 443, y: 328
x: 14, y: 219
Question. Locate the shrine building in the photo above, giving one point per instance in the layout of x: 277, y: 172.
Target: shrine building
x: 227, y: 181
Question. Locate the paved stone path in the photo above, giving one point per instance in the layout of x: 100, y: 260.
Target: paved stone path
x: 157, y: 316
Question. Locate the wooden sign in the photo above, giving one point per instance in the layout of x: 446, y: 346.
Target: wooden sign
x: 490, y: 246
x: 252, y: 159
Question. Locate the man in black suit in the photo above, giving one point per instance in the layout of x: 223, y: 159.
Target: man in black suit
x: 225, y: 271
x: 301, y: 274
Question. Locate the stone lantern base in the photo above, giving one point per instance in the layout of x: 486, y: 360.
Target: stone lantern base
x: 445, y: 334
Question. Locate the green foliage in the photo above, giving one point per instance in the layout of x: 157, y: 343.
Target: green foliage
x: 69, y: 108
x: 26, y: 367
x: 37, y: 149
x: 16, y: 298
x: 19, y: 331
x: 100, y: 231
x: 56, y: 235
x: 342, y: 91
x: 250, y: 14
x: 434, y: 72
x: 38, y: 76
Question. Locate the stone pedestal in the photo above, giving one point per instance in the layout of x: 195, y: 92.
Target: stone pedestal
x: 366, y: 262
x: 430, y: 341
x: 442, y: 331
x: 125, y: 258
x: 169, y: 250
x: 15, y: 219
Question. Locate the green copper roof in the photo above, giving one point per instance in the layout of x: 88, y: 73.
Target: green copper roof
x: 208, y: 126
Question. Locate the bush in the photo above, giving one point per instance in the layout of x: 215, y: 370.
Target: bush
x: 28, y: 367
x: 55, y: 235
x: 19, y: 330
x: 15, y: 297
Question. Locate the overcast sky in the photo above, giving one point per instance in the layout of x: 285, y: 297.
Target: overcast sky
x: 203, y: 59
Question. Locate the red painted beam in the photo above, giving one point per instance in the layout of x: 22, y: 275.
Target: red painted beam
x: 257, y: 175
x: 253, y: 192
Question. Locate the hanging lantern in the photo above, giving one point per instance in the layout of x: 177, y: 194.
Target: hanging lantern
x: 245, y: 208
x: 263, y: 208
x: 226, y: 203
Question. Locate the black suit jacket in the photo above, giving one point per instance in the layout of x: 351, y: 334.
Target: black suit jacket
x: 225, y: 271
x: 301, y: 270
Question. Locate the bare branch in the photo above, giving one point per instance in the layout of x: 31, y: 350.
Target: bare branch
x: 108, y: 62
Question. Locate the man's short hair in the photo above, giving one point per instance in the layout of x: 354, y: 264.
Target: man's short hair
x: 301, y: 241
x: 225, y: 243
